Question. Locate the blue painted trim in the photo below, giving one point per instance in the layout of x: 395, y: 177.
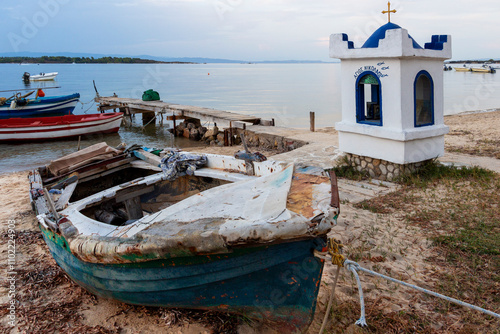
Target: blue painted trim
x: 425, y: 73
x: 374, y: 39
x: 345, y: 38
x: 437, y: 42
x: 360, y: 100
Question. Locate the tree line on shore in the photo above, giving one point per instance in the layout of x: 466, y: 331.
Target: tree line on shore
x: 82, y: 60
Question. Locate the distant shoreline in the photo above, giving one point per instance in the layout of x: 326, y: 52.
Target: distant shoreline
x: 83, y: 60
x: 492, y: 61
x: 102, y: 59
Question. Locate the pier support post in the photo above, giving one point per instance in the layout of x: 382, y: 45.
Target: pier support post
x: 147, y: 118
x: 311, y: 120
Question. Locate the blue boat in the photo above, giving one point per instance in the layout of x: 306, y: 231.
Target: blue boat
x: 39, y: 106
x: 212, y: 238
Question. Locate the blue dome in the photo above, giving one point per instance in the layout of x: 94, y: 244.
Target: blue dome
x: 373, y: 40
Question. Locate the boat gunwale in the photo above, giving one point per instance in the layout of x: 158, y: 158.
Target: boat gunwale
x: 294, y: 227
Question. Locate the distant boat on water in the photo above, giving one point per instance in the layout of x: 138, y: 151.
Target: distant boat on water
x: 39, y: 77
x: 462, y: 69
x: 483, y: 69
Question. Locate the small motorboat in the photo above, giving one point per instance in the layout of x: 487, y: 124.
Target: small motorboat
x: 462, y: 69
x: 39, y: 77
x: 176, y: 229
x: 483, y: 69
x: 40, y: 106
x: 58, y: 127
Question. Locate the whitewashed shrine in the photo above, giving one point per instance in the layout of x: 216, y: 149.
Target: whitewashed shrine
x: 392, y: 100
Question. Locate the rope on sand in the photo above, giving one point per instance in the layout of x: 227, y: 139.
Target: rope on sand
x: 335, y: 250
x: 353, y: 266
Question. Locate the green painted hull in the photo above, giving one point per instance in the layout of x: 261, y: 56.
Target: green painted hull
x: 278, y: 283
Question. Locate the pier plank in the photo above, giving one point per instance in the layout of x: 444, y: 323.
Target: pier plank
x: 221, y: 117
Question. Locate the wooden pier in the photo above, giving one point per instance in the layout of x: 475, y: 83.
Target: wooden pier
x: 173, y: 112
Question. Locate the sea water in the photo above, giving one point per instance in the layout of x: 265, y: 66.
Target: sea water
x: 285, y: 92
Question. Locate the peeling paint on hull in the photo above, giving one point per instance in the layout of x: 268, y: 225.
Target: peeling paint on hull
x: 278, y: 283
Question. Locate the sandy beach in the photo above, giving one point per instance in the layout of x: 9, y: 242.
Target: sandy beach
x: 48, y: 300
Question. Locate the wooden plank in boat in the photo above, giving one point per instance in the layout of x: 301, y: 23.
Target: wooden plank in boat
x: 66, y: 195
x: 91, y: 166
x: 148, y: 157
x: 84, y: 176
x: 133, y: 207
x: 144, y: 165
x: 130, y: 193
x: 107, y: 172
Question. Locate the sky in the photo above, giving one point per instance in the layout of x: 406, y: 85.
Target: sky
x: 252, y: 30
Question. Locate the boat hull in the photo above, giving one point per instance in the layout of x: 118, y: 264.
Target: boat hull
x: 44, y: 76
x: 277, y: 284
x: 41, y: 107
x: 482, y: 70
x: 60, y: 127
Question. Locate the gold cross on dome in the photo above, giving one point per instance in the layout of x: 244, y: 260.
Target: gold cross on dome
x: 389, y: 11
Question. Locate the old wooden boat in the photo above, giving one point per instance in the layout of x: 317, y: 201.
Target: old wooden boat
x: 58, y: 127
x: 232, y: 235
x: 16, y: 106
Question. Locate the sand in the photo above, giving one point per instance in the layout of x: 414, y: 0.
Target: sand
x: 47, y: 299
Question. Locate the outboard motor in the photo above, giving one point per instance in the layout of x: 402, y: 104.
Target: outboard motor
x: 26, y: 78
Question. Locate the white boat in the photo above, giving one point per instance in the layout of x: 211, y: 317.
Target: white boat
x: 40, y: 77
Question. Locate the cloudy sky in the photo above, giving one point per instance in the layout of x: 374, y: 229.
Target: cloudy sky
x: 238, y: 29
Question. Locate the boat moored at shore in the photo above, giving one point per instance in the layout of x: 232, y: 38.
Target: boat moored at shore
x: 207, y: 232
x: 58, y: 127
x: 22, y: 106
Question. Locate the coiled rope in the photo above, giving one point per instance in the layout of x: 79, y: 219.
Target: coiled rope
x: 335, y: 250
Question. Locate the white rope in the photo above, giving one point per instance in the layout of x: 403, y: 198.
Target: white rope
x: 350, y: 266
x: 353, y: 266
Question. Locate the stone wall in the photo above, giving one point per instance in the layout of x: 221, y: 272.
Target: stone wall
x: 192, y: 129
x: 271, y: 141
x: 381, y: 169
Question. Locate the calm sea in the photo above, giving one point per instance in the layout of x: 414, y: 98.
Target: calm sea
x: 285, y: 92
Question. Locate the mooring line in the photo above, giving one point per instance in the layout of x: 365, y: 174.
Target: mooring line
x: 353, y: 266
x: 334, y: 249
